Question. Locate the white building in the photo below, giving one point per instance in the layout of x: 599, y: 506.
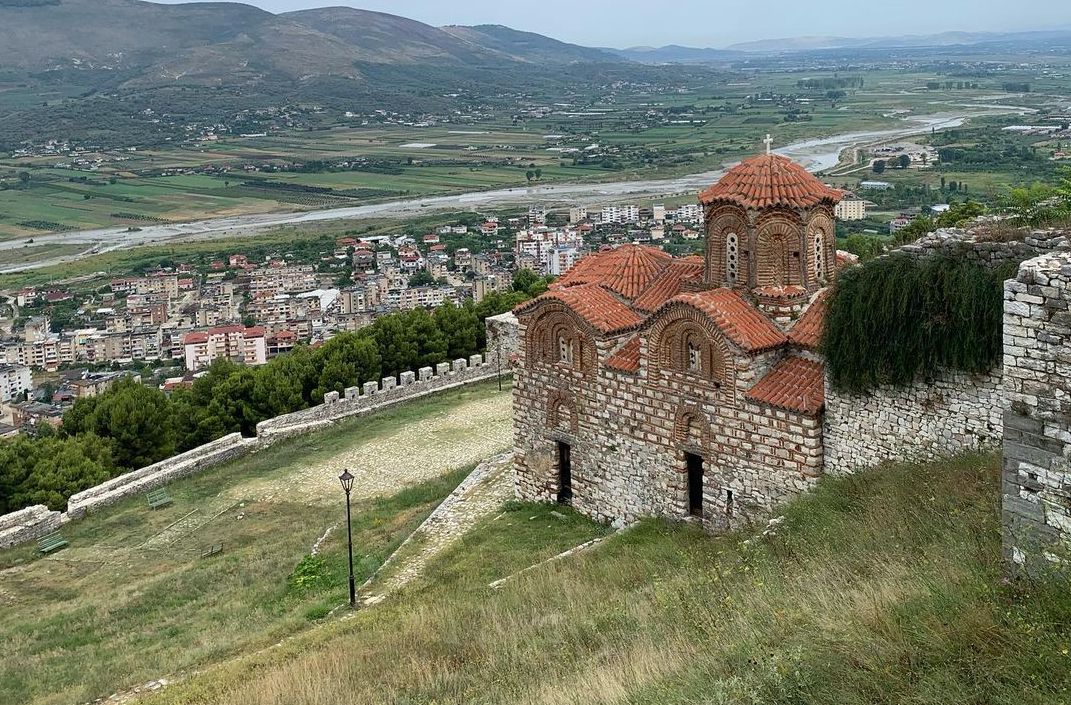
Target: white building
x: 243, y: 345
x: 14, y: 380
x: 578, y: 215
x: 850, y: 208
x: 536, y: 246
x: 561, y: 259
x: 688, y: 213
x: 620, y: 214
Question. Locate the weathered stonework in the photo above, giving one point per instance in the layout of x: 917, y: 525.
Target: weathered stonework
x: 933, y: 418
x: 27, y: 524
x: 1037, y: 414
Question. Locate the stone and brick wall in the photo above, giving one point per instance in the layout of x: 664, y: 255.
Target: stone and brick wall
x: 629, y: 433
x: 1037, y: 414
x: 933, y: 418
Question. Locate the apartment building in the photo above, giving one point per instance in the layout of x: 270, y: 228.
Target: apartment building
x: 243, y: 345
x: 14, y: 381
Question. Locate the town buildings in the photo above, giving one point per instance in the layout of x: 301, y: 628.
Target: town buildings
x: 243, y: 345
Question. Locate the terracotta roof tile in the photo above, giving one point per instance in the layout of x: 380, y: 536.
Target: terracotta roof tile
x: 794, y: 384
x: 601, y: 309
x: 770, y: 180
x: 627, y: 270
x: 807, y: 332
x: 627, y: 357
x: 669, y: 283
x: 741, y: 322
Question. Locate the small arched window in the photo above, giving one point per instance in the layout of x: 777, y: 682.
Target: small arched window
x: 695, y: 358
x: 732, y: 257
x: 819, y: 257
x: 565, y: 350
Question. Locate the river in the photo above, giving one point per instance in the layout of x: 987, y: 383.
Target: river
x: 816, y: 154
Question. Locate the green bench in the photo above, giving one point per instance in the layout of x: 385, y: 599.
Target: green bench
x: 50, y: 543
x: 159, y: 498
x: 212, y: 550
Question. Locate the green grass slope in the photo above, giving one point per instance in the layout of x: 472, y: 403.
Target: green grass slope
x: 886, y: 587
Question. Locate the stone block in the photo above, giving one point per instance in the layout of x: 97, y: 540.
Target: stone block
x: 388, y: 383
x: 407, y: 378
x: 353, y: 392
x: 425, y: 373
x: 331, y: 398
x: 476, y: 361
x: 442, y: 369
x: 370, y: 388
x: 460, y: 365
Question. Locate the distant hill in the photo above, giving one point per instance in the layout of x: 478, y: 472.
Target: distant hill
x: 676, y: 54
x: 943, y: 39
x: 215, y: 43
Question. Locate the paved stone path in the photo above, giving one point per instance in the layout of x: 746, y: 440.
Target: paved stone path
x: 481, y: 494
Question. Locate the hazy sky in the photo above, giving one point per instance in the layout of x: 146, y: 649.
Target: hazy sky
x: 623, y: 23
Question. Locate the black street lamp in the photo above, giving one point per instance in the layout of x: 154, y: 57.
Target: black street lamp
x: 346, y: 478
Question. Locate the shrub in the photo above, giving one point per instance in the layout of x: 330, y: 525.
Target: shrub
x: 900, y: 317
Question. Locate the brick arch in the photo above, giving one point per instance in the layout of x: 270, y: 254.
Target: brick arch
x: 778, y: 251
x: 561, y: 400
x: 554, y: 322
x: 721, y: 221
x: 821, y: 247
x: 691, y: 428
x: 676, y: 326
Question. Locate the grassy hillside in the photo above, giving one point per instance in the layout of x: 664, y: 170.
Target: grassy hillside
x: 881, y: 588
x: 132, y: 600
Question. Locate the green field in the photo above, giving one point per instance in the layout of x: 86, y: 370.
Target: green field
x: 130, y: 600
x: 881, y: 588
x: 687, y: 132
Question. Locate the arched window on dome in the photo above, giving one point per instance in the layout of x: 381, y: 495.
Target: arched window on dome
x: 819, y: 257
x: 732, y: 258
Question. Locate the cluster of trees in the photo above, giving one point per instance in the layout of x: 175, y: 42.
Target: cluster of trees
x: 133, y: 425
x: 957, y: 214
x: 833, y: 83
x: 880, y: 165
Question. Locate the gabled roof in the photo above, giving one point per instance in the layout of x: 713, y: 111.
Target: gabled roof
x: 770, y: 180
x: 794, y: 384
x: 669, y: 283
x: 627, y: 270
x: 741, y: 322
x: 807, y: 333
x: 627, y: 357
x: 598, y: 307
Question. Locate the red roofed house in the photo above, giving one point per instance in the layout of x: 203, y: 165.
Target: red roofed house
x: 242, y: 345
x: 653, y: 386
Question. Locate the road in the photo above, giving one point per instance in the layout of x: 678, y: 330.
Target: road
x: 816, y: 154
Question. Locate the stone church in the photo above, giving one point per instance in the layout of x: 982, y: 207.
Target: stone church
x: 648, y: 385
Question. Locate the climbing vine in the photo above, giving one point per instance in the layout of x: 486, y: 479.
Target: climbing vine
x: 900, y: 317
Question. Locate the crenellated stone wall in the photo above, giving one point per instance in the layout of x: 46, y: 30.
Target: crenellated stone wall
x: 33, y: 522
x: 1036, y: 524
x: 946, y: 414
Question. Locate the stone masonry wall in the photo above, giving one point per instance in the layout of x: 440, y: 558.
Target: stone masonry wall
x: 27, y: 524
x: 973, y: 244
x: 931, y: 419
x: 628, y: 435
x: 1036, y: 523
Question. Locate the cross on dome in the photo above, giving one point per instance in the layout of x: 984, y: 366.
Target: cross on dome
x: 769, y: 143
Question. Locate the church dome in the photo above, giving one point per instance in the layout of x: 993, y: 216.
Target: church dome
x: 767, y: 181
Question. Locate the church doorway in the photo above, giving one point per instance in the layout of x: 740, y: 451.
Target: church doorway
x: 565, y: 473
x: 695, y: 484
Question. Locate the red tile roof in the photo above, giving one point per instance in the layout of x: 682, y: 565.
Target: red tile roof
x: 627, y: 357
x: 669, y: 283
x: 807, y: 332
x: 770, y: 180
x: 794, y: 384
x: 628, y: 270
x: 741, y: 322
x: 601, y: 309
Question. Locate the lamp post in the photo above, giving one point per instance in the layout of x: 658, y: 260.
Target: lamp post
x: 346, y: 478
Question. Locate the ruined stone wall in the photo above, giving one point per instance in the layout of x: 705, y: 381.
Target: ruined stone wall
x: 629, y: 433
x: 27, y: 524
x: 977, y: 246
x: 1036, y: 495
x: 933, y: 418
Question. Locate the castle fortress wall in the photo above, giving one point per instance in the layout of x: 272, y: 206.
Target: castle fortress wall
x: 628, y: 435
x: 1036, y: 488
x: 33, y: 522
